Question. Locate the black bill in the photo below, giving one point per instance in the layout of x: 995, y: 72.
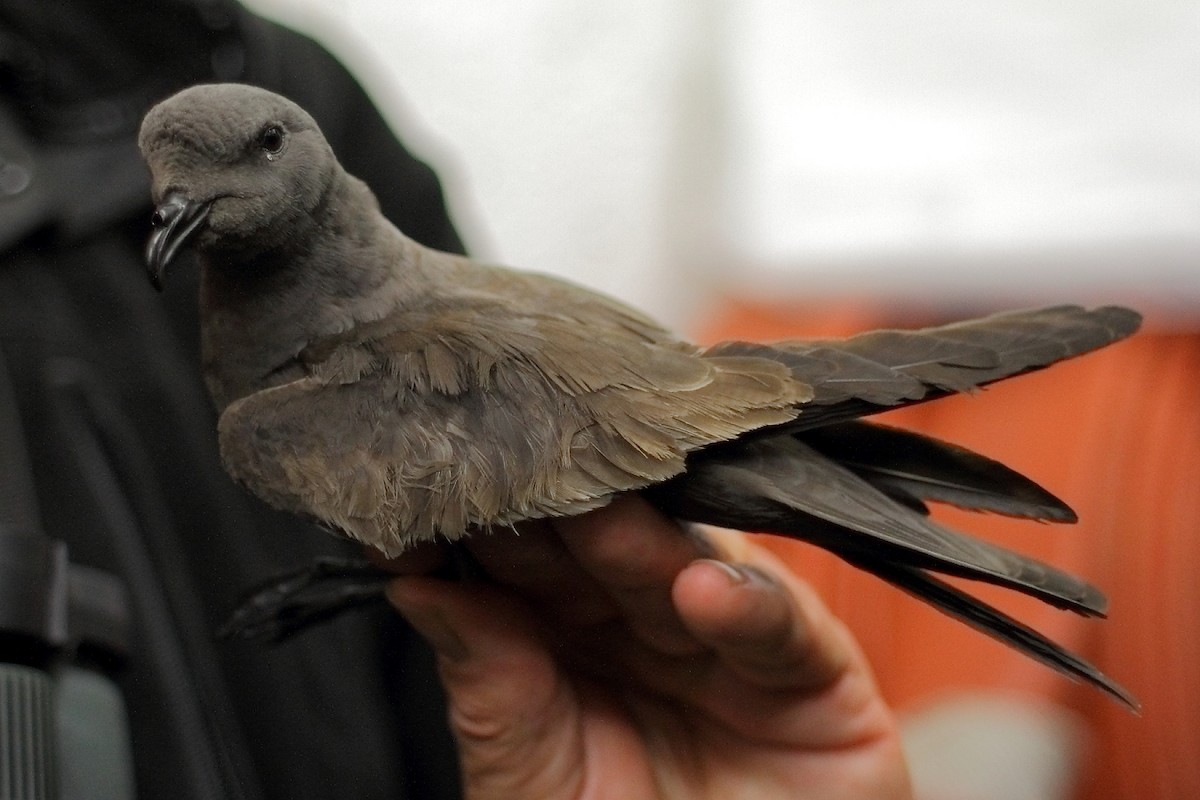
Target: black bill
x: 175, y: 221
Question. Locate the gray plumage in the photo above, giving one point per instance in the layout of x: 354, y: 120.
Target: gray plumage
x: 398, y: 394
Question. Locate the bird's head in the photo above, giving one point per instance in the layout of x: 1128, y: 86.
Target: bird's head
x: 234, y: 168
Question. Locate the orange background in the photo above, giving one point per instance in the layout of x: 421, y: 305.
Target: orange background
x: 1117, y: 435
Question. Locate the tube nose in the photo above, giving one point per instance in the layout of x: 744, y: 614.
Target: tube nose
x: 175, y: 221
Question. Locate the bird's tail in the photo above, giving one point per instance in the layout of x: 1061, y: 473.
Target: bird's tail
x: 912, y: 468
x: 859, y: 491
x: 994, y: 623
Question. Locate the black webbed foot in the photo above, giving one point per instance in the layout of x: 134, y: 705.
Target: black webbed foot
x: 295, y: 601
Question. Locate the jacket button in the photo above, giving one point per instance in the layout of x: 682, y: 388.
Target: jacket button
x: 14, y: 177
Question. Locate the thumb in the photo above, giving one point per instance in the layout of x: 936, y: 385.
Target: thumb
x: 512, y: 713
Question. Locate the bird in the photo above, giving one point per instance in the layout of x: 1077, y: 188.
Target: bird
x: 397, y: 394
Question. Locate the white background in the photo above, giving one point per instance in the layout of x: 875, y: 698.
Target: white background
x: 668, y: 151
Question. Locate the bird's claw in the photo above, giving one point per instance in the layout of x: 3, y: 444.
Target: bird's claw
x: 294, y: 601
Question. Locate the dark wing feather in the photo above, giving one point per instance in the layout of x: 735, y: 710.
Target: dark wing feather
x: 482, y: 412
x: 994, y: 623
x: 780, y: 485
x: 883, y: 369
x: 910, y: 467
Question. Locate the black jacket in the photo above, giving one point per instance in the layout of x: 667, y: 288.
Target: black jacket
x: 120, y: 432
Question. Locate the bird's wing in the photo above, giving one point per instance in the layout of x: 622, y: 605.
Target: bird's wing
x: 778, y: 484
x: 781, y: 485
x: 983, y: 617
x: 882, y: 369
x: 912, y: 468
x: 477, y: 414
x: 390, y: 464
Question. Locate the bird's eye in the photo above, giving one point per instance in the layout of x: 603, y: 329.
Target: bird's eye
x: 271, y: 140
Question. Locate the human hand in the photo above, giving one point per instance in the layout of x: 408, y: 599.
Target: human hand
x: 614, y: 656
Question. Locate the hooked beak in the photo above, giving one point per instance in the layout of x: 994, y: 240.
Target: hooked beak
x: 176, y: 220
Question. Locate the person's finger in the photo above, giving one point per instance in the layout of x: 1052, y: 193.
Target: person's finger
x: 534, y: 562
x: 786, y: 670
x: 514, y: 716
x: 777, y: 667
x: 635, y: 552
x: 768, y: 628
x: 421, y: 559
x: 763, y: 634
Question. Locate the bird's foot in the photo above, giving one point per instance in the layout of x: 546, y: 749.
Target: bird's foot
x: 294, y: 601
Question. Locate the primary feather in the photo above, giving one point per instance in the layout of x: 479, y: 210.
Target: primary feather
x: 912, y: 468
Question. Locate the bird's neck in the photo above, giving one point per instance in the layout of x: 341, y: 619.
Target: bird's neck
x: 258, y: 312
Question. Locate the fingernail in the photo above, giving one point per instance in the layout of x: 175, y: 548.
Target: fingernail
x: 697, y: 534
x: 732, y: 572
x: 742, y: 574
x: 757, y: 576
x: 429, y: 621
